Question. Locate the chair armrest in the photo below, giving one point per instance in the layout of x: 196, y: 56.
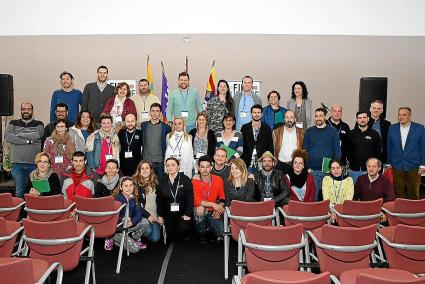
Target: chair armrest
x: 335, y: 280
x: 8, y: 209
x: 52, y: 267
x: 54, y: 242
x: 356, y: 217
x: 49, y: 211
x: 269, y: 247
x: 401, y: 246
x: 99, y: 214
x: 11, y: 236
x: 404, y: 215
x: 304, y: 218
x: 341, y: 248
x: 236, y: 280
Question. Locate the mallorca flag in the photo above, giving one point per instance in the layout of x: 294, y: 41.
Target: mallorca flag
x: 164, y: 97
x: 149, y: 76
x: 210, y: 92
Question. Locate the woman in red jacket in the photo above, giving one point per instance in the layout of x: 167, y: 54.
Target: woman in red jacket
x: 298, y: 180
x: 120, y: 105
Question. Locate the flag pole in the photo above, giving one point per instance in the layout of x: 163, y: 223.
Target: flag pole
x: 187, y: 64
x: 162, y: 66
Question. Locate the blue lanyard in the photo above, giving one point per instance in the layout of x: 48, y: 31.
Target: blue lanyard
x: 184, y: 100
x: 244, y: 98
x: 178, y: 143
x: 340, y: 185
x: 177, y: 189
x: 131, y: 140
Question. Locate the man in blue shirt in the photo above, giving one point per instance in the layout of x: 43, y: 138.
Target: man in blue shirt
x: 184, y: 102
x: 67, y: 95
x: 321, y: 141
x: 243, y: 101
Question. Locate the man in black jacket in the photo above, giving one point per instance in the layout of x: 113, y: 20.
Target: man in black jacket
x: 380, y: 125
x: 131, y: 141
x: 257, y: 139
x: 269, y: 182
x: 363, y: 143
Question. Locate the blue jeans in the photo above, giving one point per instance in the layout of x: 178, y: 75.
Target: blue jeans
x: 207, y: 221
x: 158, y: 168
x: 355, y: 174
x: 20, y: 173
x: 318, y: 178
x: 153, y: 232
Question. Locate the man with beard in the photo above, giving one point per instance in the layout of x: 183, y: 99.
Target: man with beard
x: 269, y: 182
x: 380, y: 125
x: 184, y: 102
x: 67, y: 95
x: 143, y: 101
x: 24, y: 136
x: 322, y: 144
x: 243, y: 101
x: 341, y: 127
x: 257, y: 139
x: 364, y: 143
x: 96, y: 94
x: 220, y: 168
x: 131, y: 146
x: 61, y: 113
x: 286, y: 139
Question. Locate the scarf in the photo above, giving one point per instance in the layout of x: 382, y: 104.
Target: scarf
x: 110, y: 185
x: 35, y: 175
x: 298, y: 180
x: 64, y: 145
x: 340, y: 178
x: 77, y: 177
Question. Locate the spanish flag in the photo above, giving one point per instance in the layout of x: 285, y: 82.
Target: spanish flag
x: 210, y: 92
x: 149, y: 75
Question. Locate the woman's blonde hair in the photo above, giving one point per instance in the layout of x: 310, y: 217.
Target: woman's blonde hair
x: 38, y: 156
x: 152, y: 182
x: 240, y: 165
x: 118, y: 189
x: 173, y: 129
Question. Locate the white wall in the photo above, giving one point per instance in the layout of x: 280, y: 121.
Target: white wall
x: 304, y: 17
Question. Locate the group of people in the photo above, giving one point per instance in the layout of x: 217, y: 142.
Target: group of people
x: 181, y: 173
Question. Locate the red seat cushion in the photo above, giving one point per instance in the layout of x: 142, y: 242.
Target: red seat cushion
x: 6, y: 229
x: 350, y: 276
x: 285, y: 277
x: 306, y: 209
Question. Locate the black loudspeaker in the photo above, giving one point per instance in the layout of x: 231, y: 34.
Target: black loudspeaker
x: 6, y: 95
x: 372, y: 89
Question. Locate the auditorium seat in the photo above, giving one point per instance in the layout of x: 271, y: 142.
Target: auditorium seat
x: 26, y: 270
x: 377, y: 276
x: 9, y: 231
x: 10, y: 207
x: 102, y: 213
x: 405, y: 211
x: 239, y: 215
x: 343, y: 248
x: 404, y: 247
x: 47, y: 208
x: 60, y: 241
x: 282, y: 277
x: 270, y: 247
x: 358, y: 213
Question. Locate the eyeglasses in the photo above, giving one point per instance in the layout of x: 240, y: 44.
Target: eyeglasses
x: 42, y: 162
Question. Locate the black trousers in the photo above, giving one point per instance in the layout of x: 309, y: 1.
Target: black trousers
x: 176, y: 227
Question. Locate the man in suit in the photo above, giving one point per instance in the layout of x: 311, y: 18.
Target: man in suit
x: 257, y: 139
x: 406, y: 154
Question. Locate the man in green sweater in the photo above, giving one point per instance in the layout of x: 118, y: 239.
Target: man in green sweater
x: 184, y: 102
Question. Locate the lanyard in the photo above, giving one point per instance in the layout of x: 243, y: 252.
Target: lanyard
x: 184, y: 100
x: 131, y: 140
x: 244, y: 99
x: 144, y: 102
x: 256, y: 131
x: 209, y: 189
x: 335, y: 192
x: 267, y: 185
x: 177, y: 189
x: 178, y: 143
x: 109, y: 144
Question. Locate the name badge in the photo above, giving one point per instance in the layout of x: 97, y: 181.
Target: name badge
x: 108, y: 157
x: 128, y: 154
x: 343, y: 132
x: 118, y: 119
x: 145, y: 115
x: 267, y: 198
x: 254, y: 152
x: 299, y: 124
x: 136, y: 137
x: 235, y: 139
x: 243, y: 114
x: 175, y: 207
x: 198, y: 155
x: 219, y: 139
x: 185, y: 114
x: 368, y: 138
x: 58, y: 159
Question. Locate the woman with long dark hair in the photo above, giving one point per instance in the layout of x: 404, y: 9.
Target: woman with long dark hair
x: 219, y: 105
x: 301, y: 105
x: 84, y: 126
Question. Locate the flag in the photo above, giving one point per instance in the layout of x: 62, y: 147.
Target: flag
x: 149, y: 75
x: 210, y: 92
x: 164, y: 94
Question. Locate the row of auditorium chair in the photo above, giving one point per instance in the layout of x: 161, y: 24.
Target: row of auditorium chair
x: 52, y: 239
x: 305, y: 240
x: 358, y: 249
